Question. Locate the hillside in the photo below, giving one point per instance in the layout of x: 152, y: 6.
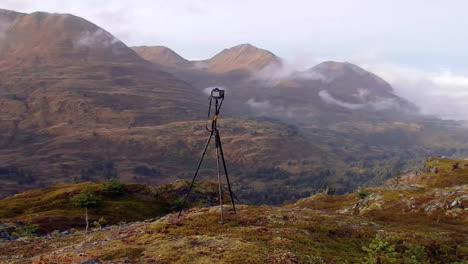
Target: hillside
x: 64, y: 78
x: 59, y: 68
x: 421, y: 221
x: 53, y: 208
x: 163, y: 57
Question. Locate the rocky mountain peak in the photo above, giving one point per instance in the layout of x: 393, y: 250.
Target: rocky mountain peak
x: 241, y: 57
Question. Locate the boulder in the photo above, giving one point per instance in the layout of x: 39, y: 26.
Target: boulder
x: 4, y: 234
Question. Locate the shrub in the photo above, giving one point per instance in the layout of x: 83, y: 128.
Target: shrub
x: 415, y: 254
x: 113, y: 187
x: 99, y: 223
x: 26, y: 230
x: 379, y: 251
x: 177, y: 204
x: 361, y: 194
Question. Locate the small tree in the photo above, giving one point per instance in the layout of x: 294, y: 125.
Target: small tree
x: 86, y: 199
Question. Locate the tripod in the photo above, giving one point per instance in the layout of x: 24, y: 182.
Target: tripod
x: 218, y: 97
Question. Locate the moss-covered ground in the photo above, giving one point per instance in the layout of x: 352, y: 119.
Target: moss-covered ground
x: 418, y: 221
x: 52, y: 208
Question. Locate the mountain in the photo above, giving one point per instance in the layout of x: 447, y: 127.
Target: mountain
x: 57, y: 68
x: 244, y: 57
x: 241, y: 57
x: 352, y: 87
x: 423, y: 221
x: 44, y: 38
x: 63, y: 80
x: 256, y: 77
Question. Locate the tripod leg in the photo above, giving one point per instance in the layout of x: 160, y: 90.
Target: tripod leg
x: 220, y: 190
x: 196, y: 173
x: 220, y: 146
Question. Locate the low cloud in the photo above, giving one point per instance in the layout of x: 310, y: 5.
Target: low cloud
x: 274, y: 73
x: 259, y: 105
x: 5, y: 25
x: 381, y: 105
x: 440, y: 93
x: 328, y: 98
x: 97, y: 38
x: 313, y: 75
x: 266, y: 108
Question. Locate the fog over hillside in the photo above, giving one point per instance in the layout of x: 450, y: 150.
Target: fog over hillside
x: 441, y: 93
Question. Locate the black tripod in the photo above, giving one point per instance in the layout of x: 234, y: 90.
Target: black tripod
x: 218, y: 97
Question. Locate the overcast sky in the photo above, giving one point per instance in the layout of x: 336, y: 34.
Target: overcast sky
x: 419, y: 46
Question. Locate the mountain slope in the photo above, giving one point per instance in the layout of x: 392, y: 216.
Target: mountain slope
x: 56, y: 68
x: 63, y: 78
x: 350, y: 86
x: 57, y: 38
x: 162, y: 56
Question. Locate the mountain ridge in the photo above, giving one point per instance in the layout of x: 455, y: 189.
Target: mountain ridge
x: 243, y: 57
x: 243, y: 67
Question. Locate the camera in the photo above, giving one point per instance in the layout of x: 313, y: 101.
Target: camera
x: 217, y: 93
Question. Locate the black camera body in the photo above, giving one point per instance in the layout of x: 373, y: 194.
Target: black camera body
x: 217, y: 93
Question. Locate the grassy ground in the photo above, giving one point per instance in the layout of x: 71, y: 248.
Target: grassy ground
x: 414, y: 222
x: 52, y: 208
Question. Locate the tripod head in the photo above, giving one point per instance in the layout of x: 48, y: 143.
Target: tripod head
x: 218, y: 96
x: 217, y: 93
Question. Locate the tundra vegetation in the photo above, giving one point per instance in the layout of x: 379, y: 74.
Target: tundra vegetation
x: 414, y: 219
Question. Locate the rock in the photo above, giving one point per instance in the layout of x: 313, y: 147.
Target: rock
x: 4, y: 234
x: 91, y: 261
x: 459, y: 202
x: 436, y: 205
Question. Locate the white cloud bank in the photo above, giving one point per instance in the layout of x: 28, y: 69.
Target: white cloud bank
x: 376, y: 106
x: 442, y: 93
